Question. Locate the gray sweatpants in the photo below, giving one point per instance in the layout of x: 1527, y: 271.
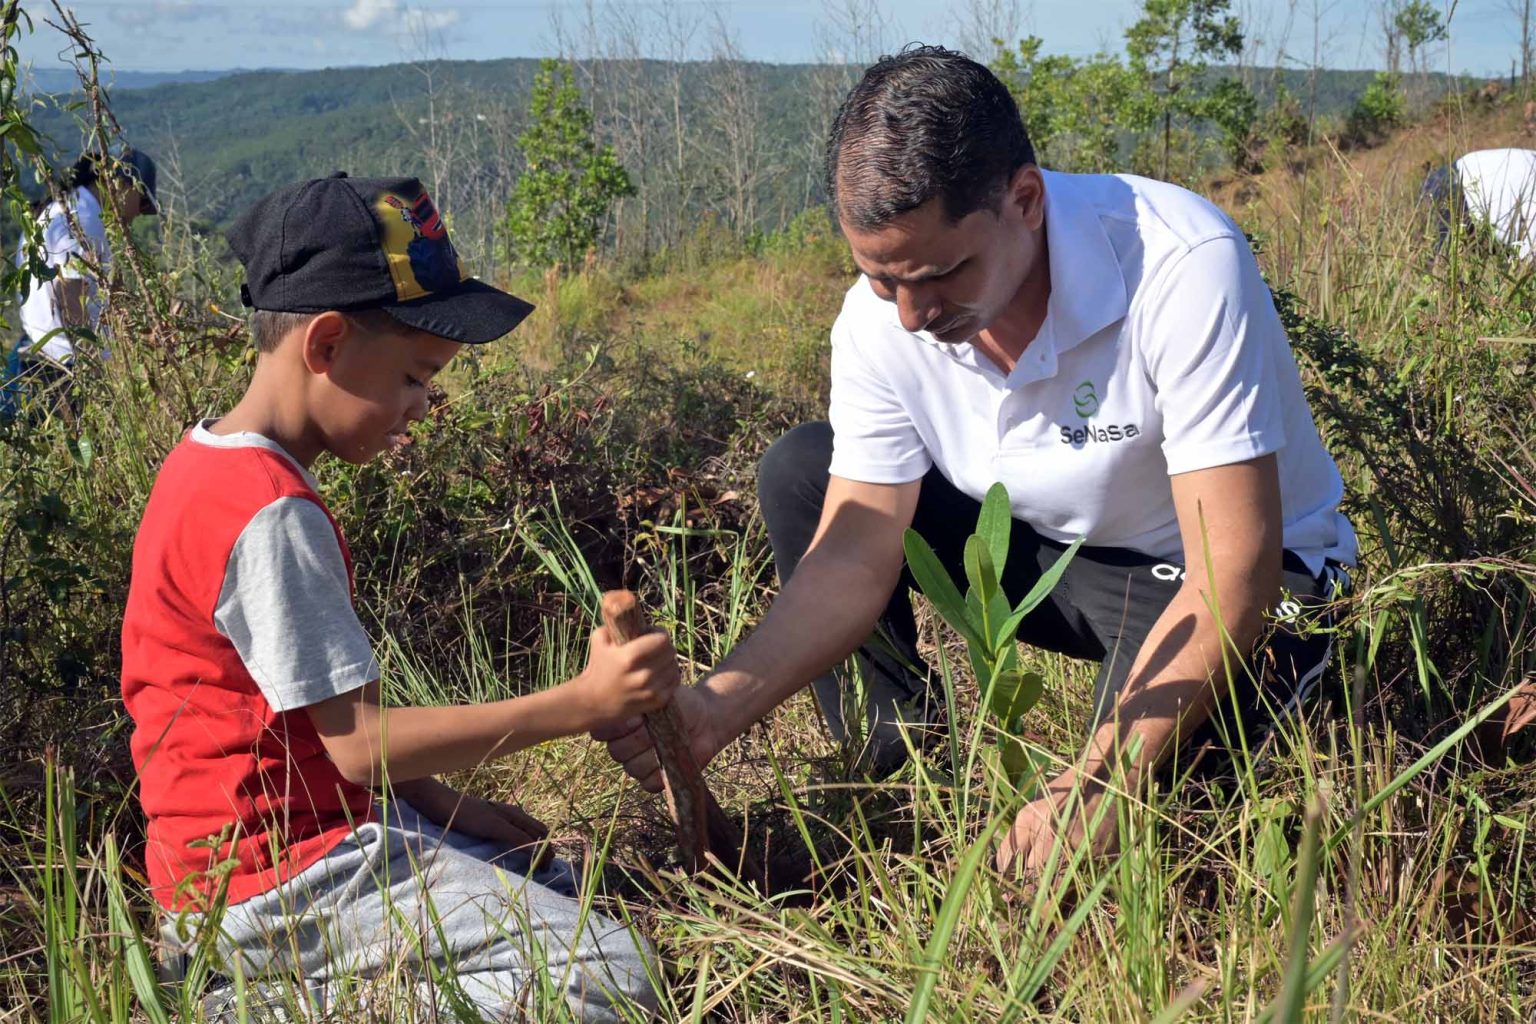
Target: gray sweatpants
x: 404, y: 921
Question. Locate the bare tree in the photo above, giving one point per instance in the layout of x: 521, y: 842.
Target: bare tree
x: 735, y: 114
x: 1523, y: 10
x: 983, y: 23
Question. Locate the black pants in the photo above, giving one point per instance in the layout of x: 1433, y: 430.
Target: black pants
x: 1101, y: 610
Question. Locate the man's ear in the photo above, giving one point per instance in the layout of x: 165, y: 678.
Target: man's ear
x: 1026, y: 193
x: 324, y: 338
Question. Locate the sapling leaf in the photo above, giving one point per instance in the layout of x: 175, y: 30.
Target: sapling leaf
x: 1013, y: 693
x: 996, y: 623
x: 995, y: 525
x: 981, y: 663
x: 979, y: 571
x: 1045, y: 583
x: 1016, y: 762
x: 936, y: 585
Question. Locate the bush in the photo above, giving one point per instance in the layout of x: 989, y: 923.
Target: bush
x: 1378, y: 110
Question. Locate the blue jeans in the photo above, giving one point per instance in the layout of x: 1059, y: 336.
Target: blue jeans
x: 11, y: 384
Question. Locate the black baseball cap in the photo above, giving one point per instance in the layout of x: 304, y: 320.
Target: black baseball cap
x: 351, y: 244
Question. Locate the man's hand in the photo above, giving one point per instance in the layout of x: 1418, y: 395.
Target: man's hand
x: 1059, y: 816
x: 630, y: 745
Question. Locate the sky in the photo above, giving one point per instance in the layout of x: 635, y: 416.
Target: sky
x: 176, y: 35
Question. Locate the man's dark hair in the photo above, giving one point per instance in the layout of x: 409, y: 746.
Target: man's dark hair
x: 926, y: 122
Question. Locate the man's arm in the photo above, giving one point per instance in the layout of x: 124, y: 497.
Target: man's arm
x: 1230, y: 522
x: 1229, y: 519
x: 827, y: 609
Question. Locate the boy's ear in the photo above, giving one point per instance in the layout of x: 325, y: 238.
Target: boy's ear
x: 324, y: 338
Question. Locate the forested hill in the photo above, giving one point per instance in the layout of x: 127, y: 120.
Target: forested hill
x: 235, y: 137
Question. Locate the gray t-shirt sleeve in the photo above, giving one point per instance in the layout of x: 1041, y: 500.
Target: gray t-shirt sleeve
x: 286, y: 605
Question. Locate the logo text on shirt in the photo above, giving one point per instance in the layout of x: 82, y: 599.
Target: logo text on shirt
x: 1081, y: 436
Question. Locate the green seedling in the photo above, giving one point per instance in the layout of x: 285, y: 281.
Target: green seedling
x: 988, y: 623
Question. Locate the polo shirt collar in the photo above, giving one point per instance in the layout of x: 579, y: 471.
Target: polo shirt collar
x: 1087, y: 282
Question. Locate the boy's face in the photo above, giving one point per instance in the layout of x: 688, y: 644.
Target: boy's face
x: 370, y: 384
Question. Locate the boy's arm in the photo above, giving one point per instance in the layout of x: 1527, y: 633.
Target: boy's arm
x: 474, y: 816
x: 371, y: 744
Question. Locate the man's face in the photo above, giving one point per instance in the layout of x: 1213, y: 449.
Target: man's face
x: 953, y: 279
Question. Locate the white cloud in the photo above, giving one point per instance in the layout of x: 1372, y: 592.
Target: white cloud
x: 364, y: 14
x: 418, y: 21
x: 367, y: 15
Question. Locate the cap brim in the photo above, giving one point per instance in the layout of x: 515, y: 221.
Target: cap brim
x: 474, y: 313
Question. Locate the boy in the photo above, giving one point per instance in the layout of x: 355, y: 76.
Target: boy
x: 260, y: 740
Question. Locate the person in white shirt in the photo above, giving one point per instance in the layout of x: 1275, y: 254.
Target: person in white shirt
x: 1495, y: 188
x: 1105, y: 347
x: 75, y: 248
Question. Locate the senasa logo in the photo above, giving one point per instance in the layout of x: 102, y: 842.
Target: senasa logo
x: 1085, y: 400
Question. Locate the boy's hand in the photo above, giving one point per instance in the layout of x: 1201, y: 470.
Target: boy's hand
x: 502, y: 823
x: 630, y: 744
x: 475, y: 816
x: 625, y: 680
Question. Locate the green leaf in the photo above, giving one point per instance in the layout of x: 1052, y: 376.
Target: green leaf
x: 84, y: 452
x: 997, y: 621
x: 1044, y: 584
x: 995, y: 525
x: 1295, y: 985
x: 1016, y: 760
x: 1013, y: 693
x: 979, y: 570
x: 934, y: 582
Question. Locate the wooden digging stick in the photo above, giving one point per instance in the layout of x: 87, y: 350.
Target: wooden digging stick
x: 702, y: 827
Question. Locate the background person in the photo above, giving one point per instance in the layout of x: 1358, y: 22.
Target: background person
x: 74, y: 238
x: 1495, y: 188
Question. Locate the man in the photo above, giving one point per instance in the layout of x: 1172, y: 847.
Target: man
x: 1102, y: 345
x: 75, y: 247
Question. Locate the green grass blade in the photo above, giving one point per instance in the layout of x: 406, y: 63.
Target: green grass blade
x: 947, y: 920
x: 130, y: 944
x: 1293, y: 990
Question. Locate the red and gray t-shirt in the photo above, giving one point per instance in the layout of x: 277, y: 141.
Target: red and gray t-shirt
x: 239, y: 617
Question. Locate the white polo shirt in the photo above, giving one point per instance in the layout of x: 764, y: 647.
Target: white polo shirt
x: 74, y: 257
x: 1499, y: 186
x: 1160, y: 353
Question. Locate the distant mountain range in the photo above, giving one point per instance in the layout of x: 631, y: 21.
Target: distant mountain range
x: 236, y: 134
x: 56, y: 80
